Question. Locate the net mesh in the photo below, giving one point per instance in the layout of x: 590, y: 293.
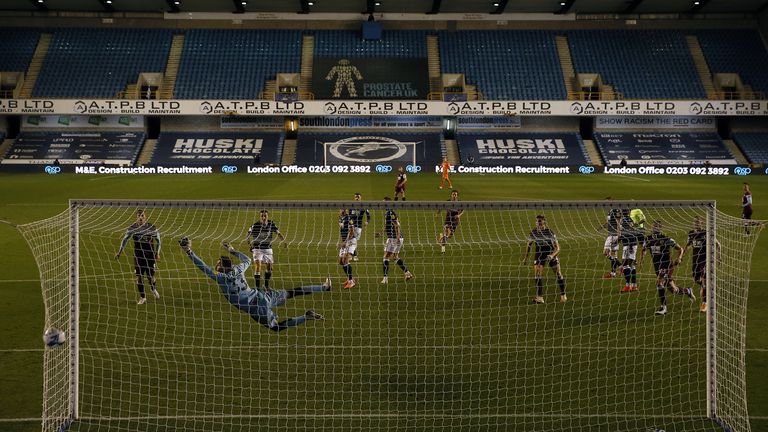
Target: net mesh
x: 460, y: 346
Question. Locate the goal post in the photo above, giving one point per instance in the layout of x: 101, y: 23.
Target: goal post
x: 369, y: 150
x: 460, y: 346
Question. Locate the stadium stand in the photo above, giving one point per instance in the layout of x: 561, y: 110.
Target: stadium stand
x: 640, y: 64
x: 754, y: 145
x: 394, y: 43
x: 234, y: 64
x: 99, y: 63
x: 75, y: 147
x: 17, y: 48
x: 737, y: 51
x: 515, y: 65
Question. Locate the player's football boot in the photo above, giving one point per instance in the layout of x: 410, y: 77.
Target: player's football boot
x: 156, y: 294
x: 689, y: 292
x: 662, y: 310
x: 538, y: 300
x: 563, y: 298
x: 408, y: 275
x: 633, y: 288
x: 142, y: 301
x: 385, y: 280
x: 609, y: 275
x: 349, y: 284
x: 703, y: 308
x: 626, y: 289
x: 327, y: 284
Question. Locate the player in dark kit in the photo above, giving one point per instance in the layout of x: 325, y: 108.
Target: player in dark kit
x: 630, y: 236
x: 746, y: 207
x: 260, y: 236
x: 146, y: 252
x: 360, y: 217
x: 611, y: 246
x: 347, y: 245
x: 402, y: 179
x: 661, y: 246
x: 393, y: 244
x: 547, y: 250
x: 451, y: 223
x: 697, y: 242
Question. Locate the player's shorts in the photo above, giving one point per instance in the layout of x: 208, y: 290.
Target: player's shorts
x: 393, y: 245
x: 541, y: 259
x: 746, y: 213
x: 358, y: 232
x: 349, y: 248
x: 144, y: 265
x: 399, y: 189
x: 699, y: 271
x: 663, y: 269
x: 629, y: 252
x: 611, y: 243
x: 263, y: 255
x: 451, y: 226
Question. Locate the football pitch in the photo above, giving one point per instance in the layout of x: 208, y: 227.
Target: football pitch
x: 440, y: 356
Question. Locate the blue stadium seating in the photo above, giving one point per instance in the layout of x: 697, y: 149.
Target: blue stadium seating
x: 505, y: 65
x: 234, y: 64
x: 641, y: 64
x: 99, y: 63
x: 348, y: 43
x: 737, y: 51
x: 17, y: 48
x: 754, y: 145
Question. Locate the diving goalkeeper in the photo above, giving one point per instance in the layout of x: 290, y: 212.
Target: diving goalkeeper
x: 256, y: 303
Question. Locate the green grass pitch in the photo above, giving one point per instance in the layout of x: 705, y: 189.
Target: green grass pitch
x: 406, y: 386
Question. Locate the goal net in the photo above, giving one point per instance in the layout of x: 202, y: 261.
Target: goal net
x: 461, y: 346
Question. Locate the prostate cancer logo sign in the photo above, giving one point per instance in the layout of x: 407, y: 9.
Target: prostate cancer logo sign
x: 367, y: 149
x: 345, y: 73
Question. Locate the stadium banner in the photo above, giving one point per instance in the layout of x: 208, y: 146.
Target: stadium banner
x: 517, y: 148
x: 217, y: 148
x: 251, y: 122
x: 656, y: 122
x: 385, y: 151
x: 370, y: 78
x: 504, y: 122
x: 82, y: 122
x: 378, y: 122
x: 663, y: 148
x: 109, y: 148
x: 697, y: 171
x: 398, y: 107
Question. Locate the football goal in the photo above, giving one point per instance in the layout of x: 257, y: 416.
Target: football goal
x: 477, y: 339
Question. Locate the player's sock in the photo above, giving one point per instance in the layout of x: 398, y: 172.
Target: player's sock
x: 140, y: 285
x: 257, y: 278
x: 614, y: 263
x: 386, y: 267
x: 395, y: 198
x: 309, y: 289
x: 267, y: 277
x: 348, y: 270
x: 539, y: 286
x: 633, y: 276
x: 703, y: 295
x: 292, y: 322
x: 662, y: 295
x: 401, y: 264
x: 627, y: 274
x: 403, y: 198
x: 561, y: 284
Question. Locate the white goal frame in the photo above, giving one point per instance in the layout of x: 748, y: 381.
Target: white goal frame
x: 65, y: 419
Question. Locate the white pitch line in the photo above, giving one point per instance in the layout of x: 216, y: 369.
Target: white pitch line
x: 102, y: 178
x: 633, y: 178
x: 420, y: 347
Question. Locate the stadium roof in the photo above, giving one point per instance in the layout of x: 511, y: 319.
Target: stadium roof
x: 396, y: 6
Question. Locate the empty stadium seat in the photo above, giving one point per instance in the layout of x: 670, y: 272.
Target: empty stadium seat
x: 348, y: 43
x: 234, y: 64
x: 99, y: 63
x: 17, y: 48
x: 754, y: 145
x: 641, y: 64
x: 505, y: 65
x: 737, y: 51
